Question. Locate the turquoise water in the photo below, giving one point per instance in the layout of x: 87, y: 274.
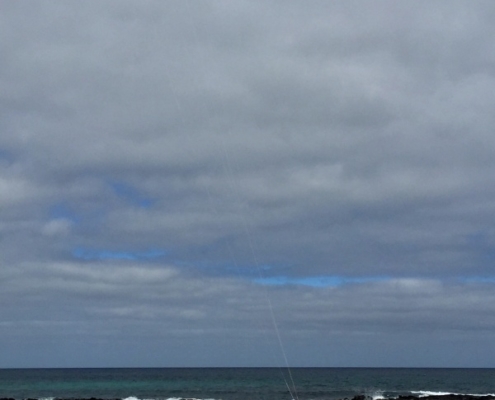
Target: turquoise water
x: 241, y: 383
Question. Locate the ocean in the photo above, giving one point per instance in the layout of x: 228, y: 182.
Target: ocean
x: 241, y: 383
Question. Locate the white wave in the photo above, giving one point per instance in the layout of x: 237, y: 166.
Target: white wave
x: 137, y: 398
x: 185, y: 398
x: 424, y: 393
x: 375, y: 394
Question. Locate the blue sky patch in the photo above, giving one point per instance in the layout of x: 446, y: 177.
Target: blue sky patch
x: 94, y: 254
x: 62, y: 210
x: 130, y: 194
x: 335, y: 281
x: 316, y: 281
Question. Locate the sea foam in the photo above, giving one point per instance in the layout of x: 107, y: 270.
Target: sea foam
x: 425, y: 393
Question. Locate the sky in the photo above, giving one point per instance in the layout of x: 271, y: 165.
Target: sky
x: 236, y: 183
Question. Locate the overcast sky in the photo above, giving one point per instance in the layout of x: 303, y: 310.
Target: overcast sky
x: 173, y: 174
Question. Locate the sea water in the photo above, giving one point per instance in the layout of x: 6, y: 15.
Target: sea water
x: 241, y: 383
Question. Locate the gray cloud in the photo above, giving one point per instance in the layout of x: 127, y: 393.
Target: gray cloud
x: 157, y: 159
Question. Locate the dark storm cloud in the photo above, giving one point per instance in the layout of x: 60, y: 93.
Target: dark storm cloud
x: 241, y: 143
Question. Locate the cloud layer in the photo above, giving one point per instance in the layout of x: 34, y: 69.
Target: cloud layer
x: 170, y: 172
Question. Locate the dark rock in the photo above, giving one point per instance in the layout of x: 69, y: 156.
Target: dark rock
x: 361, y: 397
x: 432, y: 397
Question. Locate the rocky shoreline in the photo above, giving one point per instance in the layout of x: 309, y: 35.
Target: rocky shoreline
x: 449, y: 397
x: 433, y: 397
x: 360, y: 397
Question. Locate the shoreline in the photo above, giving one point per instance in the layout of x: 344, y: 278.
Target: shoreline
x: 450, y: 396
x: 359, y: 397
